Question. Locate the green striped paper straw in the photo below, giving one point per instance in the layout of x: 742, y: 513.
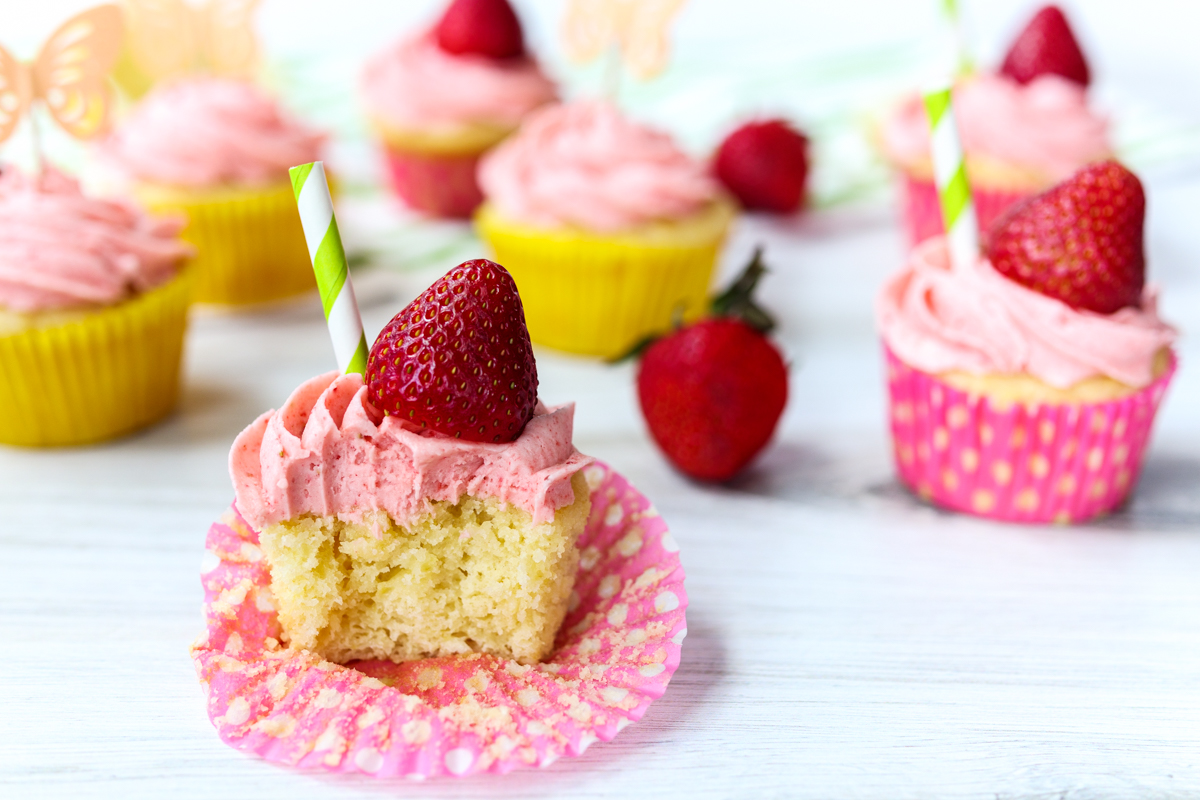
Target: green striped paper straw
x: 950, y: 176
x: 329, y: 263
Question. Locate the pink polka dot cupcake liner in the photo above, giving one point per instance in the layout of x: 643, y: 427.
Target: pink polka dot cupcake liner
x: 923, y: 214
x: 615, y: 653
x: 1021, y: 463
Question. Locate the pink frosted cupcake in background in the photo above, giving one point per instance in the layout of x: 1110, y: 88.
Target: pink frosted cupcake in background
x: 1024, y: 128
x: 609, y: 228
x: 441, y: 99
x: 218, y: 151
x: 93, y: 307
x: 1024, y: 388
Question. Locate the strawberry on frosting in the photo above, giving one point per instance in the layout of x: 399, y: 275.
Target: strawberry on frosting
x: 584, y: 164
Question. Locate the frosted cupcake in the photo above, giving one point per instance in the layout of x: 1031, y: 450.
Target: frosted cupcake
x: 1024, y: 387
x: 610, y: 230
x: 1023, y: 129
x: 441, y: 99
x: 431, y: 509
x: 218, y: 151
x: 93, y: 307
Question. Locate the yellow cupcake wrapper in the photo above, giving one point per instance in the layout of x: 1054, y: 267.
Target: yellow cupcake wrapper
x: 250, y: 247
x: 600, y: 295
x: 106, y: 374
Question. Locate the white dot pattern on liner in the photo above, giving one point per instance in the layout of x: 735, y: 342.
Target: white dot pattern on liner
x: 650, y: 670
x: 615, y: 694
x: 667, y: 601
x: 679, y: 637
x: 614, y: 514
x: 669, y: 544
x: 459, y: 760
x: 209, y: 562
x: 238, y: 712
x: 368, y: 760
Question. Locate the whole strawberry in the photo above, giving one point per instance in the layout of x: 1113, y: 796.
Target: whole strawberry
x: 1046, y: 47
x: 1080, y: 242
x: 712, y: 392
x: 765, y: 165
x: 457, y: 360
x: 488, y: 28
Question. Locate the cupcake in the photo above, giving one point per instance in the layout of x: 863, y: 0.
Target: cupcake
x: 218, y: 151
x: 444, y: 525
x: 609, y: 229
x: 1024, y: 386
x: 1023, y: 129
x: 93, y: 307
x: 441, y: 99
x: 421, y: 575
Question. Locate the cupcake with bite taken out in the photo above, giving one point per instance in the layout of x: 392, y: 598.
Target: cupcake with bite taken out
x: 218, y: 151
x: 441, y: 99
x: 610, y: 230
x: 1024, y: 128
x: 93, y: 308
x: 1024, y: 386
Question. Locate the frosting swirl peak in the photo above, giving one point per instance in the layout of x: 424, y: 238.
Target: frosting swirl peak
x: 60, y: 249
x: 205, y: 132
x: 324, y: 453
x: 938, y: 319
x: 584, y: 164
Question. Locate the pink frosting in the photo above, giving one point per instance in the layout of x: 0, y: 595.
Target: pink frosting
x: 584, y: 164
x: 1045, y: 124
x: 209, y: 132
x: 937, y: 319
x: 416, y: 84
x: 324, y: 454
x: 60, y: 249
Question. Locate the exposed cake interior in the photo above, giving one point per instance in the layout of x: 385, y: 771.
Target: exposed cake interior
x: 473, y: 576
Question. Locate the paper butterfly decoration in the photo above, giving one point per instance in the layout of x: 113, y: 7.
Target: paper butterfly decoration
x: 637, y: 28
x: 69, y: 75
x: 169, y: 38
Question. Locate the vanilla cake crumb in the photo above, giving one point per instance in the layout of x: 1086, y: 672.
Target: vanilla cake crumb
x: 472, y: 576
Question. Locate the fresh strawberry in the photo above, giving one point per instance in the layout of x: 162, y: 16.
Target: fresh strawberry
x: 1080, y: 242
x: 1046, y: 47
x: 712, y: 392
x: 481, y: 27
x: 457, y: 360
x: 765, y: 165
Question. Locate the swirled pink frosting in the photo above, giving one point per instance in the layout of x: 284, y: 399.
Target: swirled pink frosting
x: 584, y: 164
x: 1045, y: 124
x: 323, y: 453
x: 938, y: 319
x: 205, y: 132
x: 60, y: 249
x: 415, y: 84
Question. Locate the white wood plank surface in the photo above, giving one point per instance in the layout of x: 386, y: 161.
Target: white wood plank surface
x: 844, y: 640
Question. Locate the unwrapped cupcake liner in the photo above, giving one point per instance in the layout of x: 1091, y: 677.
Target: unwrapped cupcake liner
x: 441, y: 185
x: 615, y: 653
x: 923, y: 213
x: 1034, y: 463
x: 105, y: 374
x: 601, y: 296
x: 250, y: 247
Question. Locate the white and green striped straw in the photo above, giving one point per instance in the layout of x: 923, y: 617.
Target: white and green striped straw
x: 329, y: 263
x: 950, y: 176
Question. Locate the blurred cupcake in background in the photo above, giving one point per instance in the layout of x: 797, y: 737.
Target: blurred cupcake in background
x: 442, y: 98
x: 1024, y: 384
x: 1024, y: 128
x: 217, y: 150
x: 93, y: 308
x: 610, y: 230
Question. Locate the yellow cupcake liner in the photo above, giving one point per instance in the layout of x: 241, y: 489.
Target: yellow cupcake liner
x: 105, y: 374
x: 599, y: 295
x: 250, y: 247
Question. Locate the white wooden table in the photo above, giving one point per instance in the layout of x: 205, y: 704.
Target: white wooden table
x: 845, y: 641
